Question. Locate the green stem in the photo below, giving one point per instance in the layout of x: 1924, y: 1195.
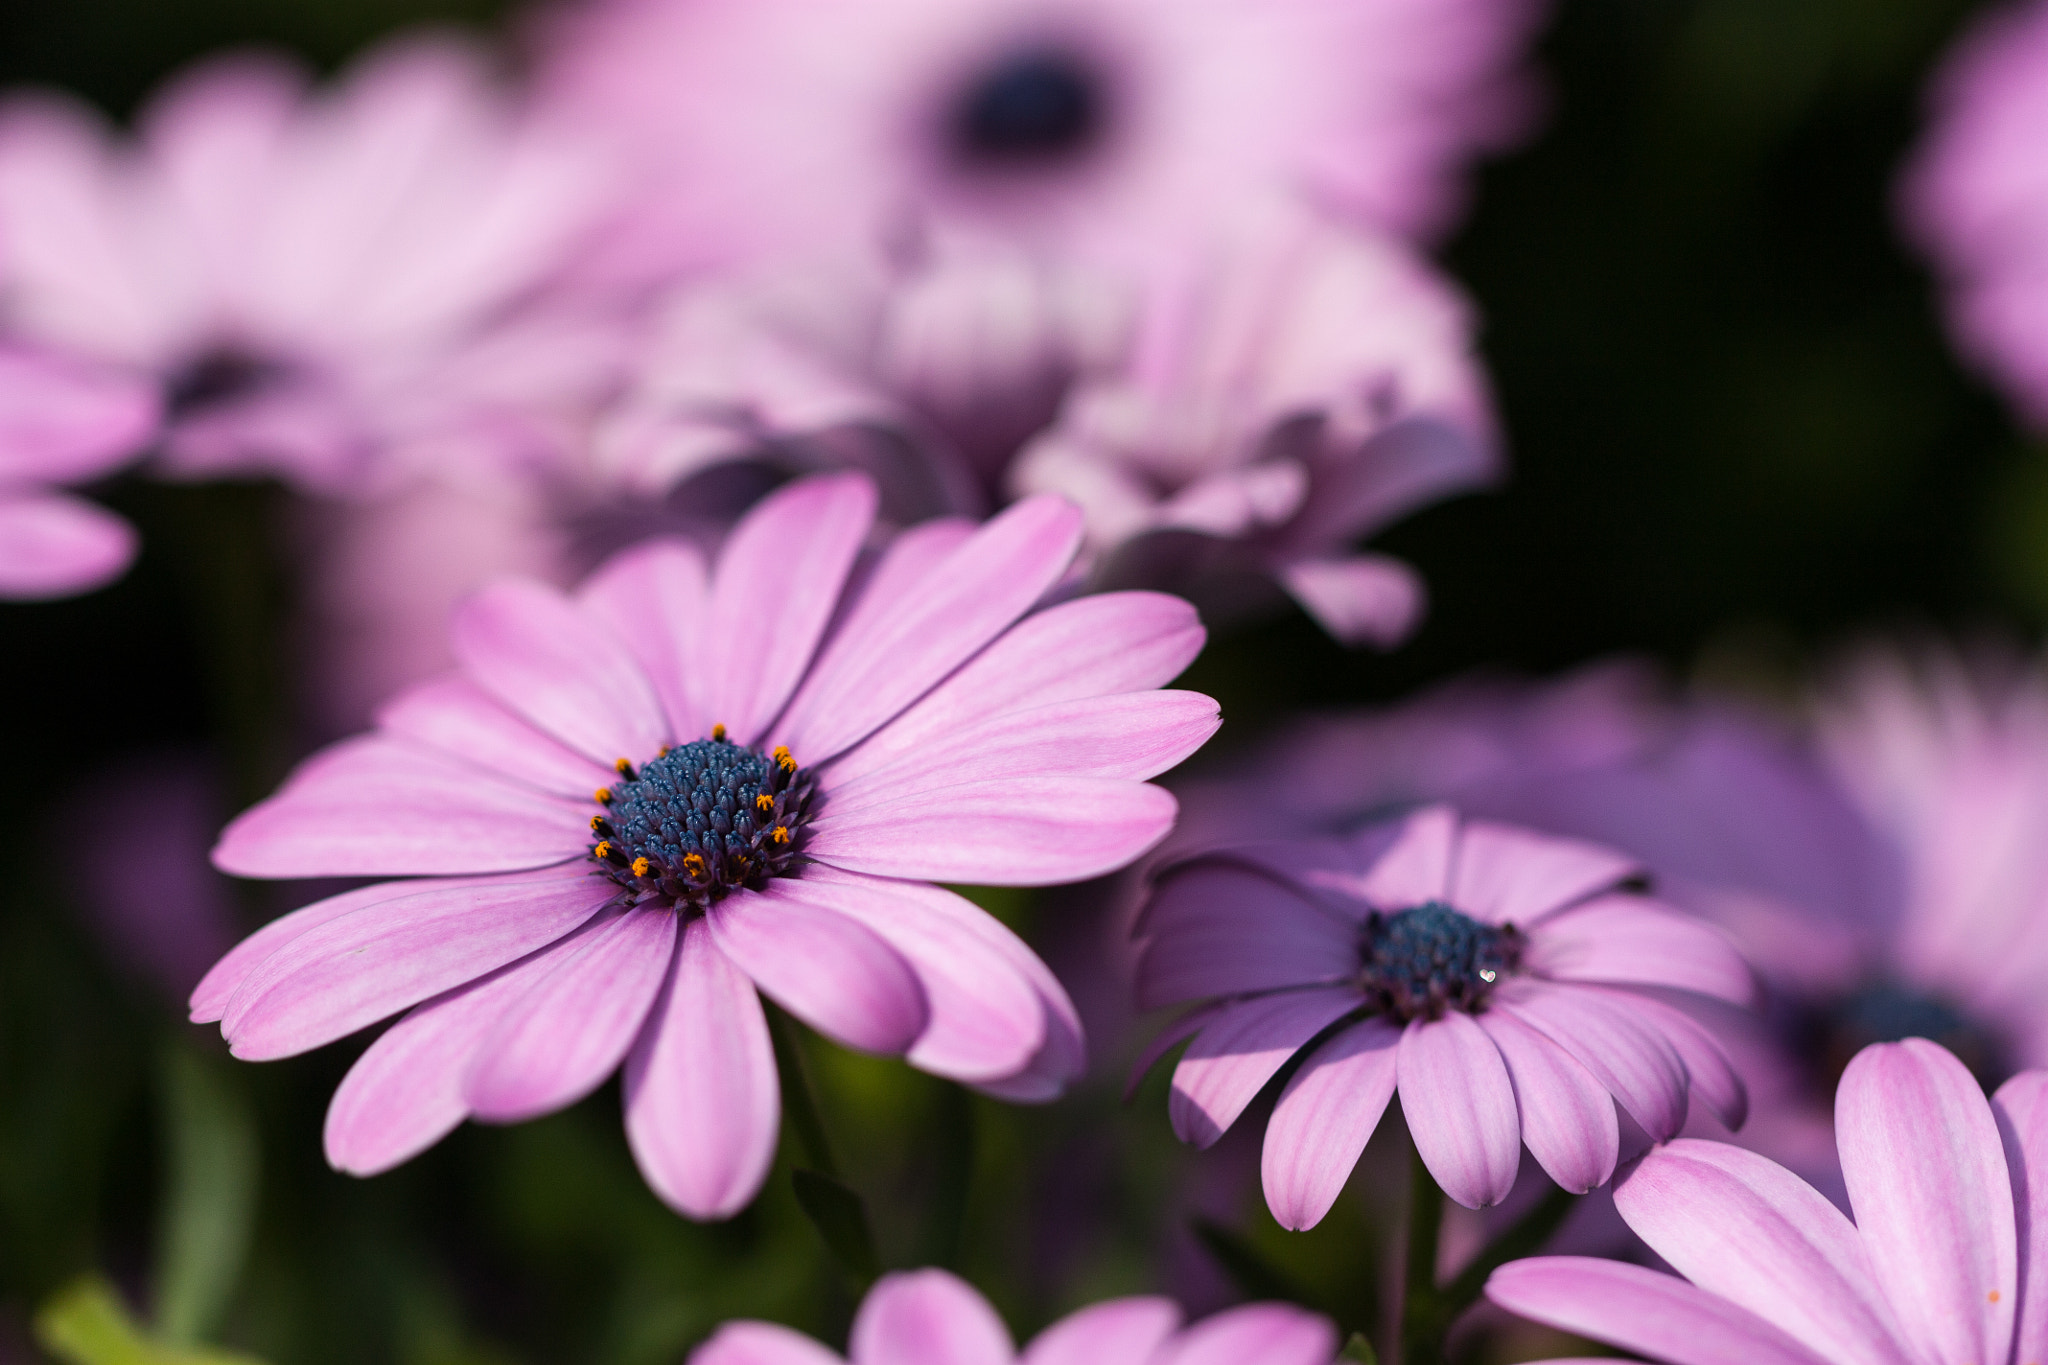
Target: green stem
x: 1423, y: 1326
x: 953, y: 1175
x: 797, y: 1105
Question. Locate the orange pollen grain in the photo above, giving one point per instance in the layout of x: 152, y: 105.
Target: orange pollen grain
x: 780, y: 834
x: 603, y: 849
x: 781, y: 755
x: 603, y: 796
x: 718, y: 731
x: 694, y: 864
x: 641, y: 867
x: 764, y: 802
x: 622, y: 766
x: 1992, y: 1297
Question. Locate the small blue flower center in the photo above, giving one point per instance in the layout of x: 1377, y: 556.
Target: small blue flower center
x: 1419, y: 962
x: 701, y: 820
x: 1036, y: 106
x: 1886, y: 1012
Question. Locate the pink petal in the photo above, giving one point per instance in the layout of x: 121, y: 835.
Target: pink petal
x: 1034, y: 831
x: 1933, y: 1199
x: 405, y: 1093
x: 657, y: 598
x: 1567, y: 1116
x: 1710, y: 1072
x: 1417, y: 867
x: 1119, y: 1330
x: 928, y: 1317
x: 1241, y: 1049
x: 210, y: 997
x: 533, y: 649
x: 1255, y: 1334
x: 1324, y: 1118
x: 974, y: 594
x: 777, y: 581
x: 878, y: 586
x: 1135, y: 736
x: 459, y: 718
x: 54, y: 545
x: 1641, y: 1310
x: 702, y: 1103
x: 1215, y: 928
x: 1091, y: 647
x: 1747, y: 1229
x: 761, y: 1343
x: 559, y: 1040
x: 64, y: 423
x: 987, y: 1020
x: 352, y: 971
x: 1365, y: 600
x: 1632, y: 940
x: 2021, y: 1106
x: 1509, y: 875
x: 1636, y: 1063
x: 828, y: 970
x: 1460, y: 1107
x: 1063, y: 1056
x: 372, y: 807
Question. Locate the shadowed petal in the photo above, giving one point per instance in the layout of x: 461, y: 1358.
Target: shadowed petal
x: 55, y: 545
x: 375, y: 807
x: 1711, y: 1076
x: 1567, y: 1116
x: 1119, y: 1330
x: 828, y: 970
x: 1927, y: 1178
x: 560, y: 1040
x: 1747, y: 1229
x: 1324, y: 1118
x: 1241, y: 1049
x: 2021, y: 1107
x: 1460, y: 1107
x: 927, y: 1317
x: 459, y: 718
x: 1417, y: 866
x: 1636, y: 1063
x: 1631, y: 940
x: 1265, y: 1333
x: 1641, y: 1310
x: 777, y: 581
x: 761, y: 1343
x: 967, y: 599
x: 341, y: 975
x: 1216, y: 928
x: 1363, y: 600
x: 702, y: 1104
x: 533, y: 649
x: 656, y: 597
x: 1036, y: 831
x: 1091, y: 647
x: 1512, y: 875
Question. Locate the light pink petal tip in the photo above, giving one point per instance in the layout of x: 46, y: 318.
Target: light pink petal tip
x: 1460, y: 1108
x: 928, y: 1317
x: 2021, y: 1106
x: 761, y: 1343
x: 1119, y: 1330
x: 1567, y: 1116
x: 1266, y: 1333
x: 52, y: 545
x: 1366, y: 600
x: 1324, y: 1118
x: 827, y: 969
x: 1641, y: 1310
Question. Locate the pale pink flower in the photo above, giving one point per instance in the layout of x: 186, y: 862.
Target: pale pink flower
x: 1111, y: 129
x: 928, y: 1317
x: 308, y: 275
x: 1976, y: 197
x: 1946, y: 1262
x: 1509, y: 984
x: 786, y: 749
x: 63, y: 423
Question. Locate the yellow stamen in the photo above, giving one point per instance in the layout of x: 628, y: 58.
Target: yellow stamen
x: 597, y: 824
x: 603, y: 796
x: 764, y: 803
x: 603, y: 849
x: 780, y: 834
x: 641, y: 867
x: 718, y: 732
x: 781, y: 755
x: 622, y: 766
x: 693, y: 863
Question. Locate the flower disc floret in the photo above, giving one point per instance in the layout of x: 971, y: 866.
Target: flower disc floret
x: 701, y: 820
x: 1034, y: 107
x: 1430, y: 958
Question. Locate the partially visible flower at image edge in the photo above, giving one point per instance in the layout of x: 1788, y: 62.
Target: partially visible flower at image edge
x: 63, y: 423
x: 632, y: 807
x: 928, y: 1317
x: 1509, y: 983
x: 1946, y: 1262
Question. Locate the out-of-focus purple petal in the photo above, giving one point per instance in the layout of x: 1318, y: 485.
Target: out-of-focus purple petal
x: 657, y: 598
x: 702, y: 1102
x: 1364, y: 600
x: 560, y: 1039
x: 1416, y: 868
x: 1711, y: 1074
x: 61, y: 422
x: 1745, y: 1228
x: 1567, y: 1116
x: 53, y: 545
x: 1324, y: 1118
x: 1242, y: 1048
x: 1460, y: 1107
x: 1215, y: 928
x: 1032, y: 831
x: 1119, y: 1330
x: 1636, y: 1063
x: 1268, y: 1333
x: 827, y: 969
x: 1642, y: 1310
x: 333, y: 979
x: 1633, y: 941
x: 1934, y: 1201
x: 777, y: 582
x: 1507, y: 875
x: 2021, y: 1107
x: 761, y: 1343
x: 459, y: 718
x: 927, y: 1317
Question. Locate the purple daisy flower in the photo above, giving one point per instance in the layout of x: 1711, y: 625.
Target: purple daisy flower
x: 1945, y: 1264
x: 1507, y: 983
x: 634, y: 806
x: 63, y: 423
x: 928, y: 1317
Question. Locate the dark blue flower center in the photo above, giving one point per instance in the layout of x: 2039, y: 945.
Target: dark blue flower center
x: 702, y: 819
x: 1419, y: 962
x: 1036, y: 106
x: 1885, y: 1012
x: 217, y: 378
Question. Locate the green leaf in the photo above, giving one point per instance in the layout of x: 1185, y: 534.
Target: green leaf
x: 85, y: 1323
x: 210, y: 1201
x: 1360, y: 1350
x: 841, y: 1219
